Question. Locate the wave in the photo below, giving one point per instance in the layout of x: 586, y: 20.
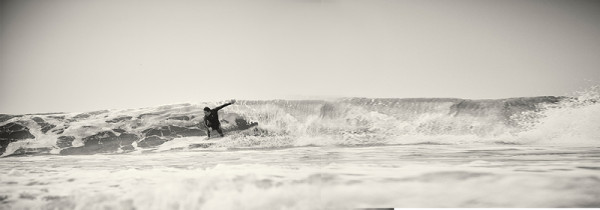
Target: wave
x: 292, y: 123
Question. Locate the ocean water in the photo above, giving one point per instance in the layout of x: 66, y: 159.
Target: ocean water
x: 309, y: 178
x: 341, y: 154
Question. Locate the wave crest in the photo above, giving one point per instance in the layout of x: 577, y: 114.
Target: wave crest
x: 288, y: 123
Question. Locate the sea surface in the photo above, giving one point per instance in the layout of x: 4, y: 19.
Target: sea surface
x: 537, y: 152
x: 309, y: 178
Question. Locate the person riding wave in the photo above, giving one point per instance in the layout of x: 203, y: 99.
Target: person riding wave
x: 211, y: 119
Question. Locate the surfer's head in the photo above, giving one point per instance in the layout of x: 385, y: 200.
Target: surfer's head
x: 206, y: 110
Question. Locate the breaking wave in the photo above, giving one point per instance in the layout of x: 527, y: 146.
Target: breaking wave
x: 293, y: 123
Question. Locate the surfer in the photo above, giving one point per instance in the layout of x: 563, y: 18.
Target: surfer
x: 211, y: 119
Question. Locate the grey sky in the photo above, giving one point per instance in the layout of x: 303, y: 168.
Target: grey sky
x: 68, y: 55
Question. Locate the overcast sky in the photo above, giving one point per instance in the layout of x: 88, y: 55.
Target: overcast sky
x: 72, y: 56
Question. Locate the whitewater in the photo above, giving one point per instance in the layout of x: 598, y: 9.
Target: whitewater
x: 342, y: 153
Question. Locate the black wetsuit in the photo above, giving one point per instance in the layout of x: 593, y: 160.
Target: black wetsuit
x: 212, y: 120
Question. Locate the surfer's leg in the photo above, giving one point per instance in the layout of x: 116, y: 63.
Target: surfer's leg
x: 220, y: 131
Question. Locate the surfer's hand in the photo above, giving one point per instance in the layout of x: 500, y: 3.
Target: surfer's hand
x: 232, y: 101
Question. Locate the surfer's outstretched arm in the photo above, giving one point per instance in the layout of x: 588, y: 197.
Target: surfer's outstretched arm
x: 224, y: 105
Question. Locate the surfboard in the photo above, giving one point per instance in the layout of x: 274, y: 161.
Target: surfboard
x: 205, y: 143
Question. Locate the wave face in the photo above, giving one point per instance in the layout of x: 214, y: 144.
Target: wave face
x: 290, y: 123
